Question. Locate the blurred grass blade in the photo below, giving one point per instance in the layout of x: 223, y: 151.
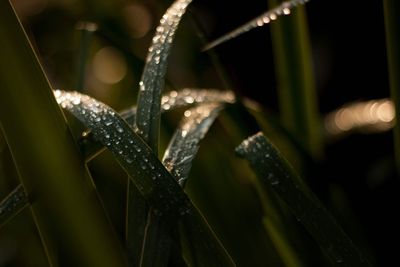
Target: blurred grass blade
x: 275, y: 173
x: 283, y: 247
x: 184, y: 144
x: 46, y: 157
x: 87, y: 29
x: 265, y: 18
x: 295, y: 79
x: 152, y: 81
x: 13, y: 204
x: 154, y: 182
x: 391, y: 10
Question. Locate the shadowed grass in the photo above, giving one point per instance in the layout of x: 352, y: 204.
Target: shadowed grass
x: 295, y: 79
x: 47, y: 158
x: 274, y: 172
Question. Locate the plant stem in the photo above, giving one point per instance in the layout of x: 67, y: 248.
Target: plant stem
x: 295, y: 78
x: 47, y: 159
x: 391, y: 10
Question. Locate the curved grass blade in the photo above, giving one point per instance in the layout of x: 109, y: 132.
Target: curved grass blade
x: 183, y: 98
x: 185, y: 142
x: 148, y: 111
x: 129, y: 149
x: 171, y: 100
x: 152, y: 81
x: 174, y: 99
x: 265, y: 18
x: 153, y: 181
x: 178, y: 160
x: 13, y: 204
x: 274, y: 172
x: 156, y: 243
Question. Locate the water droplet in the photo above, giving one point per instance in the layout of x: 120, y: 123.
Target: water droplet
x: 339, y: 260
x: 76, y: 101
x: 119, y: 129
x: 273, y: 16
x: 286, y: 11
x: 129, y: 160
x: 276, y: 182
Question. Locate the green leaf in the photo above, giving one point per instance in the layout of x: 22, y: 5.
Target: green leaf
x: 152, y: 81
x: 274, y: 172
x: 153, y: 181
x: 265, y: 18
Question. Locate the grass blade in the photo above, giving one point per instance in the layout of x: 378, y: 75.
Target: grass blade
x: 183, y: 98
x: 295, y: 79
x: 152, y: 81
x: 51, y: 170
x: 91, y: 147
x: 275, y: 173
x: 13, y: 204
x: 149, y: 175
x: 135, y: 225
x: 265, y: 18
x: 185, y: 142
x: 170, y: 101
x: 391, y: 10
x: 283, y: 246
x: 178, y: 160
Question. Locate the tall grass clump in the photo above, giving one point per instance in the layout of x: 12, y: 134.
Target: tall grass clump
x: 186, y: 174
